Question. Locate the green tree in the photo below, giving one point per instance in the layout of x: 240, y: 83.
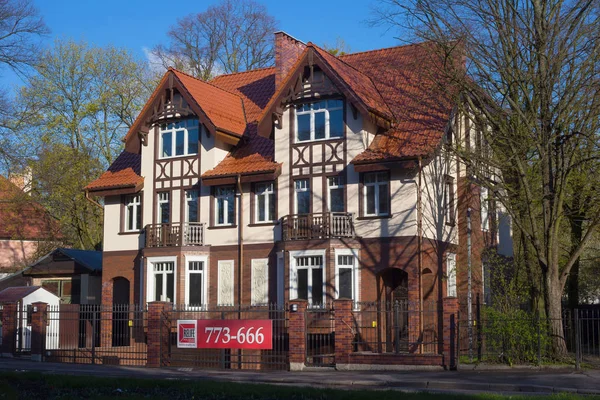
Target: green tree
x: 530, y: 72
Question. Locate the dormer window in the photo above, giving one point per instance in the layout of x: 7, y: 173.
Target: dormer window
x: 320, y: 120
x: 179, y: 138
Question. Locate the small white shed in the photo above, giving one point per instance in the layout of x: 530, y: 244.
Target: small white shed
x: 25, y: 296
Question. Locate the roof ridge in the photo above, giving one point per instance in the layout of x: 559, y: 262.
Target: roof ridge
x: 242, y: 72
x: 382, y: 49
x: 203, y: 81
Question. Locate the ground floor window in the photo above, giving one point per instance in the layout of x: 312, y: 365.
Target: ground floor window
x: 308, y: 277
x: 196, y: 281
x: 346, y: 274
x: 161, y: 279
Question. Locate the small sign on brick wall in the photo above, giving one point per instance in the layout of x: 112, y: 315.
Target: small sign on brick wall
x: 225, y: 334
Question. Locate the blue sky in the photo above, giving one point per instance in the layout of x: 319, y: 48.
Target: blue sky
x: 141, y: 24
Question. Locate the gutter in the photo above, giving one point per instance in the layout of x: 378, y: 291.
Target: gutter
x: 94, y: 202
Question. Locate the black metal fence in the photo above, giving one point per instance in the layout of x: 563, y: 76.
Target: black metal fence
x: 276, y: 358
x: 396, y: 327
x: 97, y: 334
x: 320, y: 336
x: 23, y: 331
x: 525, y: 338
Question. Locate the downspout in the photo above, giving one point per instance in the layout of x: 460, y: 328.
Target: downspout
x: 94, y: 202
x: 240, y: 239
x: 420, y: 249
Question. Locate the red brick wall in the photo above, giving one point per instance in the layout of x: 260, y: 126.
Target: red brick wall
x: 123, y: 264
x: 287, y: 51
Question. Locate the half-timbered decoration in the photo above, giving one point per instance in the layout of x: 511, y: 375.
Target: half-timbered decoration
x: 318, y: 179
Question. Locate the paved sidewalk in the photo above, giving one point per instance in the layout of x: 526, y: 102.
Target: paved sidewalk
x: 544, y: 381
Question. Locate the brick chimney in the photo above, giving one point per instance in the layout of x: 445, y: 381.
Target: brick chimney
x: 287, y: 51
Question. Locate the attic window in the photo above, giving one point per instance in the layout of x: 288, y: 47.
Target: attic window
x: 179, y: 138
x: 320, y: 120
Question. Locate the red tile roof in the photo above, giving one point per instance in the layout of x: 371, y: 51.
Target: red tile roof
x: 124, y: 172
x: 223, y: 108
x: 22, y: 218
x: 420, y: 100
x: 255, y: 153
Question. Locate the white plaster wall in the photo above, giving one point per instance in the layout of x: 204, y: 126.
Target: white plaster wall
x: 14, y: 252
x: 42, y: 295
x: 112, y: 221
x: 147, y: 172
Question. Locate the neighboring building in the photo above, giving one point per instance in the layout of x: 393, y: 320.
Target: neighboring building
x: 26, y: 229
x: 25, y: 296
x: 75, y: 276
x: 320, y: 178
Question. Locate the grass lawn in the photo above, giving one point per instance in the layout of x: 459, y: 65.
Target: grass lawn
x: 39, y: 386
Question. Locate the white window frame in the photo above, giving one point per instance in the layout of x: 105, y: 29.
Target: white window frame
x: 377, y: 184
x: 150, y: 276
x: 189, y: 125
x: 205, y: 275
x: 312, y: 113
x: 294, y: 275
x: 191, y: 195
x: 355, y: 274
x: 253, y: 300
x: 225, y: 198
x: 134, y: 200
x: 339, y: 184
x: 220, y: 282
x: 270, y: 190
x: 301, y: 190
x: 451, y: 289
x: 163, y: 200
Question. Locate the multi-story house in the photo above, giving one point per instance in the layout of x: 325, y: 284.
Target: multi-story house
x: 320, y: 178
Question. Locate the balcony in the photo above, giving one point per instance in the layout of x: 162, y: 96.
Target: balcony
x: 317, y: 226
x: 175, y: 234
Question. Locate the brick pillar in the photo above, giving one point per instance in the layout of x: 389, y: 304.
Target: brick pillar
x: 9, y: 329
x: 297, y: 335
x: 39, y: 321
x: 343, y: 332
x: 450, y: 316
x: 159, y: 329
x: 106, y: 314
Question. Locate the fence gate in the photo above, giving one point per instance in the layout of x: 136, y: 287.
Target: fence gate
x: 320, y: 337
x: 213, y: 357
x: 23, y: 331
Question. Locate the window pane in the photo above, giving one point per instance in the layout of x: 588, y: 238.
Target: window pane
x: 370, y: 199
x: 337, y: 200
x: 303, y: 127
x: 303, y: 202
x: 167, y: 139
x: 192, y: 206
x: 370, y: 178
x: 220, y: 211
x: 303, y: 284
x: 345, y: 277
x: 230, y: 209
x: 336, y: 123
x: 317, y: 285
x: 192, y: 141
x: 262, y: 208
x: 334, y: 103
x: 164, y: 213
x: 320, y: 125
x: 195, y: 294
x: 271, y: 207
x: 158, y: 287
x: 179, y: 142
x: 130, y: 221
x: 170, y: 287
x: 383, y: 199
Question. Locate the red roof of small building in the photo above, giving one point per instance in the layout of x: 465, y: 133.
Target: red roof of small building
x: 16, y: 293
x: 22, y: 218
x: 124, y: 172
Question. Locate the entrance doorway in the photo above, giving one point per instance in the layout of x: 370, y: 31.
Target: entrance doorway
x: 396, y: 327
x: 120, y: 314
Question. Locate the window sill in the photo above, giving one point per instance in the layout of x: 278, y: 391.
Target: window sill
x: 370, y: 217
x: 126, y: 233
x: 222, y: 227
x: 270, y: 223
x: 177, y: 157
x: 334, y: 139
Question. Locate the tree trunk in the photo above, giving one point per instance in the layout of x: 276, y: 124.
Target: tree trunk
x: 553, y: 297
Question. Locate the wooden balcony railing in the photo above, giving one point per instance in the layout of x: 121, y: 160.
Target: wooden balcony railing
x: 176, y: 234
x: 317, y: 226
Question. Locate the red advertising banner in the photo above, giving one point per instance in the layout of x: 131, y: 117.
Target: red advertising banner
x: 225, y: 334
